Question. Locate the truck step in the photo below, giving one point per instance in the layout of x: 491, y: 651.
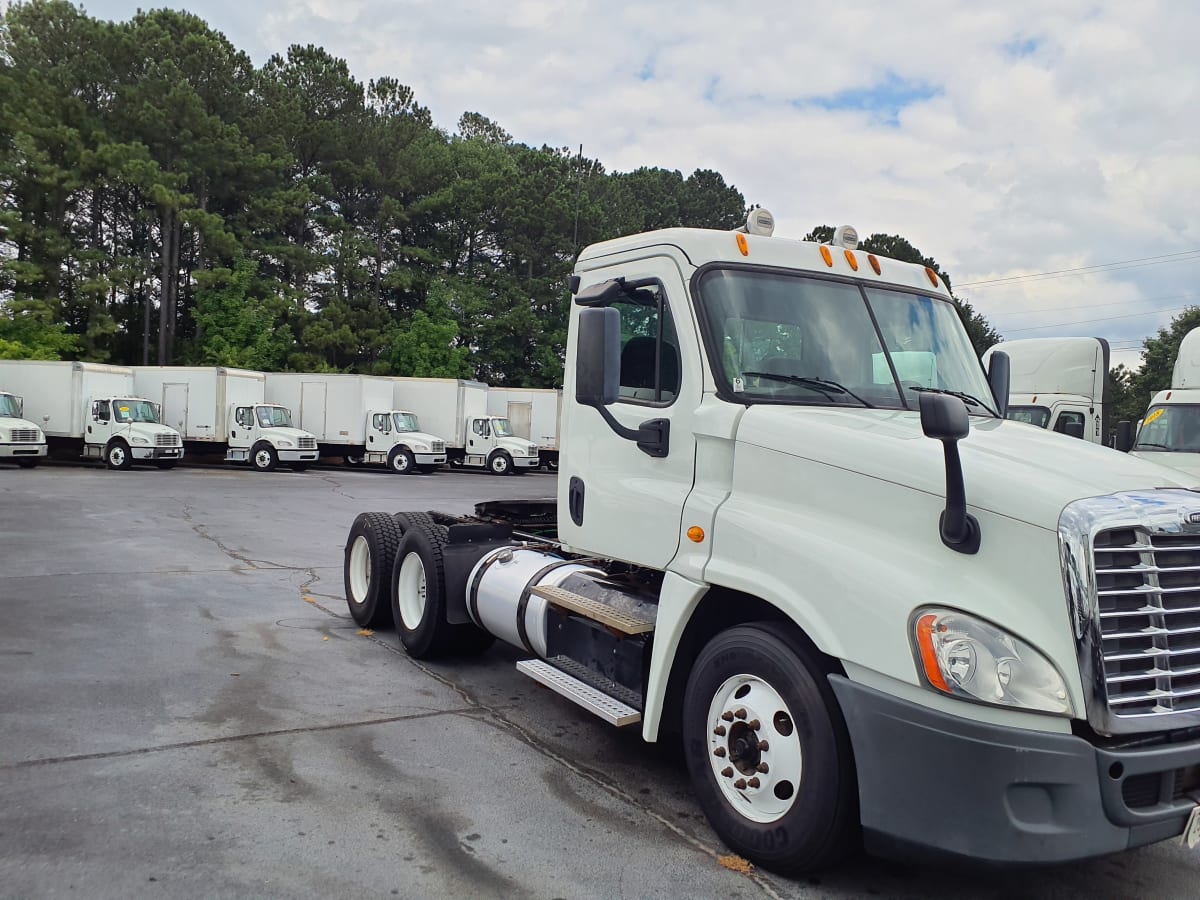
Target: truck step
x: 622, y: 620
x: 596, y: 702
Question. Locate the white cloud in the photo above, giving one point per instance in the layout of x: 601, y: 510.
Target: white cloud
x: 1042, y: 135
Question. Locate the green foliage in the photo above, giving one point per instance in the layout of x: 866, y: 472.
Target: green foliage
x: 29, y: 332
x: 1158, y: 361
x: 235, y: 317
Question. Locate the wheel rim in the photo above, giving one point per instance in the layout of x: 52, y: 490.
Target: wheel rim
x: 754, y: 749
x: 411, y: 591
x: 499, y: 465
x: 360, y: 570
x: 117, y: 456
x: 400, y: 462
x: 262, y: 458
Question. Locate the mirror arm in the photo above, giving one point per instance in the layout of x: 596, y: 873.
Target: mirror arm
x: 653, y: 437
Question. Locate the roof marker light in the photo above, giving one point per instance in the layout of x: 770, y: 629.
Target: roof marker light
x: 742, y: 245
x: 874, y: 263
x: 826, y: 255
x: 845, y: 236
x: 933, y: 279
x: 851, y: 259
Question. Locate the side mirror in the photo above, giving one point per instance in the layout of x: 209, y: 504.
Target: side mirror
x: 20, y: 406
x: 1124, y: 440
x: 944, y: 418
x: 1073, y: 429
x: 998, y: 379
x: 598, y: 357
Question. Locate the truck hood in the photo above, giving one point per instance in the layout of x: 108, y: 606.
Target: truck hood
x: 1186, y: 464
x: 421, y: 437
x: 14, y: 424
x: 288, y: 434
x: 1009, y: 468
x: 520, y: 445
x: 149, y: 430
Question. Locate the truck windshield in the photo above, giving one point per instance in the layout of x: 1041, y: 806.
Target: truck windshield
x: 406, y: 422
x: 125, y: 411
x: 501, y: 428
x: 273, y: 417
x: 1030, y: 415
x: 1175, y: 428
x: 9, y: 408
x: 777, y: 337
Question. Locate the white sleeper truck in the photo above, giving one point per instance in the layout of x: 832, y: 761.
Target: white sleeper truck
x: 353, y: 417
x: 223, y: 410
x: 92, y: 410
x: 534, y: 414
x: 794, y: 528
x: 21, y: 441
x: 1170, y: 431
x: 1058, y: 384
x: 458, y: 408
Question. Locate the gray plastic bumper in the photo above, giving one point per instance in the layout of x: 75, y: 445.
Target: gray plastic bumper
x: 297, y: 455
x: 22, y: 451
x: 932, y: 784
x: 140, y: 452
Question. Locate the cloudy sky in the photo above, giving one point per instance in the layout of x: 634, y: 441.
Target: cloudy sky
x: 1003, y: 139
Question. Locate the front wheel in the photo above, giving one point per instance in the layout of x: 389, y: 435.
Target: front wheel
x: 27, y: 463
x: 117, y: 455
x: 500, y: 463
x: 264, y: 458
x: 401, y: 461
x: 768, y: 752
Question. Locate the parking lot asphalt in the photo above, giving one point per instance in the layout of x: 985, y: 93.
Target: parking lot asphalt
x: 188, y: 711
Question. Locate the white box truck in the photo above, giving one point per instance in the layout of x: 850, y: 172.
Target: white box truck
x: 534, y: 414
x: 92, y: 410
x: 873, y: 609
x: 1058, y: 384
x: 20, y: 440
x: 1170, y: 430
x: 353, y: 416
x: 224, y: 410
x: 458, y: 409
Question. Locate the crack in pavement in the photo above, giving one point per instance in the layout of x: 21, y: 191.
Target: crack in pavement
x: 202, y: 531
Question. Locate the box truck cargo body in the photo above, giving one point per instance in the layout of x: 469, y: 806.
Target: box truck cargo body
x: 92, y: 410
x: 1169, y: 433
x: 354, y: 417
x: 223, y: 410
x: 1058, y: 384
x: 458, y: 409
x: 534, y: 414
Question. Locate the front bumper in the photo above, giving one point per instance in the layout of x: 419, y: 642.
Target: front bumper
x: 936, y: 785
x: 430, y: 459
x: 288, y: 456
x: 21, y: 451
x: 156, y: 452
x: 526, y: 462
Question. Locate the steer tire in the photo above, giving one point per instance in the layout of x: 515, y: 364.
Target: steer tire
x: 117, y: 455
x: 263, y: 457
x: 419, y: 597
x: 500, y: 463
x: 802, y: 815
x: 370, y: 551
x: 401, y: 461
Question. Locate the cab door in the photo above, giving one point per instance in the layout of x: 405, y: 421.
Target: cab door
x: 615, y: 500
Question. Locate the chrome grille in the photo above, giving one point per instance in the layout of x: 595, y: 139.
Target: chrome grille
x: 437, y: 446
x: 1148, y: 603
x: 307, y: 443
x: 166, y: 440
x: 25, y: 436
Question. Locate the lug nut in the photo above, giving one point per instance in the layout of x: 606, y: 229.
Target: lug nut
x: 763, y: 745
x: 727, y: 771
x: 764, y: 768
x: 719, y: 731
x: 720, y: 751
x: 740, y: 784
x: 741, y: 713
x: 754, y: 724
x: 727, y: 716
x: 753, y: 782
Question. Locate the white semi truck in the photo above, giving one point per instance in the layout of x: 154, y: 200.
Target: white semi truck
x: 20, y: 440
x: 223, y: 410
x: 92, y: 410
x: 873, y: 609
x: 353, y: 416
x: 1169, y: 433
x: 458, y: 409
x: 534, y: 414
x: 1058, y: 384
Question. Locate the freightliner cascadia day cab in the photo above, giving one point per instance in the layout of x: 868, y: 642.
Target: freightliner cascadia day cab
x: 1170, y: 431
x: 21, y: 441
x: 93, y: 410
x: 534, y: 414
x: 222, y: 410
x: 457, y: 408
x: 353, y: 417
x: 794, y: 528
x: 1058, y: 384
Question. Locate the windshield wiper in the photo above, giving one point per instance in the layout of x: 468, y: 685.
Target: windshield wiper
x: 824, y: 385
x: 1142, y: 445
x: 961, y: 395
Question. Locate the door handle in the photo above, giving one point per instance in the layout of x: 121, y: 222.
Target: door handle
x: 575, y: 499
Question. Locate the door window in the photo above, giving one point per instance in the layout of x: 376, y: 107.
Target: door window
x: 381, y: 422
x: 100, y: 410
x: 244, y: 416
x: 1066, y: 419
x: 649, y: 347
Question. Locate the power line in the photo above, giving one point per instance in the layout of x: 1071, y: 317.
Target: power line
x: 1162, y: 259
x: 1089, y: 321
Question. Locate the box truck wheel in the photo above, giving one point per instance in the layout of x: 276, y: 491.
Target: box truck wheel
x: 768, y: 752
x: 419, y: 597
x: 401, y: 460
x: 352, y: 461
x: 27, y: 463
x: 117, y: 455
x: 166, y: 463
x: 370, y: 550
x: 500, y: 463
x: 263, y: 457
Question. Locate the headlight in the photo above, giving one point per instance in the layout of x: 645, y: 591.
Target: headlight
x: 419, y: 448
x: 963, y: 656
x: 283, y: 443
x: 4, y: 435
x: 139, y: 440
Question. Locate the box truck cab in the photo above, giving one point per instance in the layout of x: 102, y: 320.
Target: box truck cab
x: 534, y: 414
x: 490, y: 442
x: 1058, y: 384
x: 20, y: 440
x: 262, y: 435
x: 395, y: 439
x: 127, y: 429
x: 1169, y: 433
x: 874, y: 609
